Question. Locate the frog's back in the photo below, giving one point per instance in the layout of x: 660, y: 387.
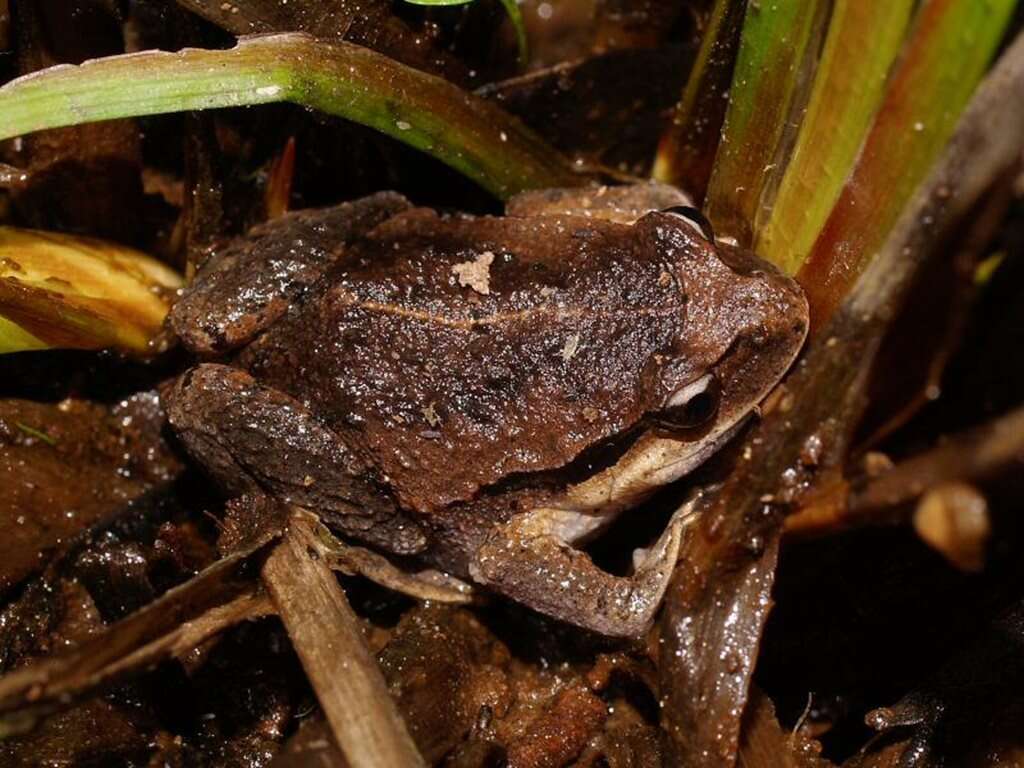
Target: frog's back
x: 456, y: 351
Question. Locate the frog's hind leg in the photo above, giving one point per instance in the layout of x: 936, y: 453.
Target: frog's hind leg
x: 525, y: 561
x: 255, y: 439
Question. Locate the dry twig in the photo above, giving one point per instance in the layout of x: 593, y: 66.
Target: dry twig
x: 328, y: 638
x: 974, y: 456
x: 184, y: 617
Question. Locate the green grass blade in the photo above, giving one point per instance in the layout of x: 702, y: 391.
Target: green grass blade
x: 769, y: 66
x: 516, y: 17
x: 863, y: 41
x: 951, y: 44
x: 466, y: 132
x: 686, y: 152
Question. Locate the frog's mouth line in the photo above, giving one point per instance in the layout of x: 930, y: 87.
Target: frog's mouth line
x: 578, y: 517
x: 592, y: 461
x: 551, y: 486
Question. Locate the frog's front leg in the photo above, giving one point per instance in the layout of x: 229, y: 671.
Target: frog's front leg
x: 524, y: 560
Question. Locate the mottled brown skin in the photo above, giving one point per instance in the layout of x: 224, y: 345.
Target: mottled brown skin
x: 451, y: 390
x: 249, y: 283
x: 431, y: 417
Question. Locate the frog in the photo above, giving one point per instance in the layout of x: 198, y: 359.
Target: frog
x: 483, y: 395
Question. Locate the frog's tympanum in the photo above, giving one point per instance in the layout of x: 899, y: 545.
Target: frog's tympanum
x: 481, y: 394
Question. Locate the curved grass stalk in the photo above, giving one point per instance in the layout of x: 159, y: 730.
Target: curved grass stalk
x: 468, y: 133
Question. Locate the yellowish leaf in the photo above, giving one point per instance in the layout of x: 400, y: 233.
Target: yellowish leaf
x: 64, y: 291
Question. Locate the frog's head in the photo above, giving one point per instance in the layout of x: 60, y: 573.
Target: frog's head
x: 745, y: 324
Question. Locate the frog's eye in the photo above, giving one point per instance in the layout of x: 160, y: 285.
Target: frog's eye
x: 692, y: 405
x: 694, y: 218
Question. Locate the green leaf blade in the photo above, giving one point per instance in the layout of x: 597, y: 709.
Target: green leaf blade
x: 862, y: 43
x: 951, y: 44
x: 686, y: 151
x: 772, y: 56
x: 468, y: 133
x: 516, y: 17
